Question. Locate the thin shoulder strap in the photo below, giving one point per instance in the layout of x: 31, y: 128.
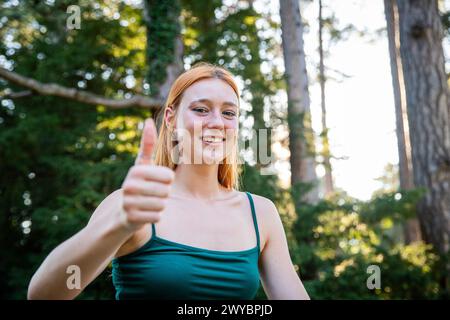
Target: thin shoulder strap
x: 153, y: 230
x: 255, y: 222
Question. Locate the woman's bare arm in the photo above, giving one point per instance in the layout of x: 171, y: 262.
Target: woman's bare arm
x: 278, y: 275
x: 139, y: 202
x: 91, y: 250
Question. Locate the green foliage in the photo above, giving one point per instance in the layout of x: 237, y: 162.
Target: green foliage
x: 59, y: 159
x: 338, y: 239
x: 163, y: 28
x: 254, y: 182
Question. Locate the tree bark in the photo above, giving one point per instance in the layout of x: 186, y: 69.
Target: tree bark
x: 411, y: 228
x: 427, y: 99
x: 301, y: 137
x: 328, y: 178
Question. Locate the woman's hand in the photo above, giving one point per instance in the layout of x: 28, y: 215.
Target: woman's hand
x: 146, y: 186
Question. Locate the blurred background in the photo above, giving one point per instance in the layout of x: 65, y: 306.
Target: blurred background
x: 354, y: 95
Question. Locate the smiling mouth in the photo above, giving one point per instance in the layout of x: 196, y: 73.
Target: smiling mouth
x: 212, y: 139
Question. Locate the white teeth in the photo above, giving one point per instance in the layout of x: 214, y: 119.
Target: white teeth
x: 212, y: 139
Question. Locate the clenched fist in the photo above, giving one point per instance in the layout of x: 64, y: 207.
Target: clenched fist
x: 146, y: 186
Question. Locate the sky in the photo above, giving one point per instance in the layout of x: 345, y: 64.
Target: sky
x: 360, y: 109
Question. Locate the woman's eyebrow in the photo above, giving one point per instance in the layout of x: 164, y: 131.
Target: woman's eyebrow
x: 228, y: 103
x: 207, y: 101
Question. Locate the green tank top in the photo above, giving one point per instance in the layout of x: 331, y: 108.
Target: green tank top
x: 163, y: 269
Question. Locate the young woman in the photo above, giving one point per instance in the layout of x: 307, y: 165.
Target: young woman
x: 178, y: 228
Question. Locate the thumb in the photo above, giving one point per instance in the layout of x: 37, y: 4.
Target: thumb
x: 148, y: 140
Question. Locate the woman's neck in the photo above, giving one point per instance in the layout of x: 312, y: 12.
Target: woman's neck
x: 197, y: 181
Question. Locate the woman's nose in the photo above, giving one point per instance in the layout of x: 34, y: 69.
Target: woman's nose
x: 215, y: 120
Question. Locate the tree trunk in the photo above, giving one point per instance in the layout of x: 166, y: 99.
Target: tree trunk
x: 301, y: 137
x: 428, y: 114
x: 328, y: 178
x: 164, y: 47
x: 411, y: 228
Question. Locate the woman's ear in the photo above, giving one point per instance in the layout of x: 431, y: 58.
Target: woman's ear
x: 169, y: 114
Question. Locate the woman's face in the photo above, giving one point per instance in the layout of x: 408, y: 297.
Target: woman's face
x: 207, y: 122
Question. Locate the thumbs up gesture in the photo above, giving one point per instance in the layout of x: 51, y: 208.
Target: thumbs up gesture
x: 146, y: 186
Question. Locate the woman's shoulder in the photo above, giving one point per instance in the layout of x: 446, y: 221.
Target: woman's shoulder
x: 266, y: 214
x: 262, y: 203
x: 265, y: 209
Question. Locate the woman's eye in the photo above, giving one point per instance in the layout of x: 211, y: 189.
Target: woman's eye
x: 201, y: 110
x: 229, y: 113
